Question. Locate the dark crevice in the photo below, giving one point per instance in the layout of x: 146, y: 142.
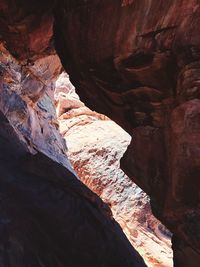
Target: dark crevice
x: 154, y: 33
x: 138, y: 60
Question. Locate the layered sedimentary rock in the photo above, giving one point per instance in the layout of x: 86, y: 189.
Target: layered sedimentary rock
x: 47, y: 216
x: 95, y: 146
x: 137, y: 62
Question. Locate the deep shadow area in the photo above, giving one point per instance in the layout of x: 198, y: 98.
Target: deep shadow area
x: 49, y: 218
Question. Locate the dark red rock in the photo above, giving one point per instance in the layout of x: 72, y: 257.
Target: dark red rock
x: 111, y: 48
x: 138, y: 62
x: 27, y: 27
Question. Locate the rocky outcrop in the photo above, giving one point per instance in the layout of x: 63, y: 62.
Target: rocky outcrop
x: 137, y: 62
x: 26, y: 100
x: 95, y: 146
x: 27, y: 28
x: 47, y: 216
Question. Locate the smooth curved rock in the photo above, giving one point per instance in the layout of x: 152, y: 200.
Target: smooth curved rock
x: 47, y: 216
x: 95, y: 146
x: 137, y: 62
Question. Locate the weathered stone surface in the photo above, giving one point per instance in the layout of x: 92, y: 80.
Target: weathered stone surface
x: 27, y: 101
x: 111, y: 48
x: 47, y: 216
x: 95, y: 146
x: 138, y: 63
x: 27, y: 28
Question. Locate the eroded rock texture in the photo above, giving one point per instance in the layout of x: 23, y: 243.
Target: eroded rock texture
x: 26, y: 100
x: 27, y: 28
x: 137, y: 61
x: 48, y: 218
x: 95, y: 146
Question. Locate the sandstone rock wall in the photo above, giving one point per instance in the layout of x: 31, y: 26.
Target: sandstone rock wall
x: 137, y: 62
x: 95, y: 146
x: 48, y: 218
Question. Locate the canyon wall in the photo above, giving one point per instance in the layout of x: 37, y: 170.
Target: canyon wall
x: 136, y: 61
x: 95, y: 146
x: 47, y: 216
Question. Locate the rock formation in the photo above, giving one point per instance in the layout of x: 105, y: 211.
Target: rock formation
x: 136, y: 61
x: 47, y: 216
x: 95, y: 146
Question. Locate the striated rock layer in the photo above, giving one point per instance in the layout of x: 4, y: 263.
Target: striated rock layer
x: 95, y: 146
x: 48, y: 218
x: 136, y: 61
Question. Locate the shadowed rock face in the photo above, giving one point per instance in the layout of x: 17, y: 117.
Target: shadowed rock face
x: 47, y: 216
x: 137, y: 62
x: 27, y: 27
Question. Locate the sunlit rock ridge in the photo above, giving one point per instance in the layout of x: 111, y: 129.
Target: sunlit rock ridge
x: 136, y: 62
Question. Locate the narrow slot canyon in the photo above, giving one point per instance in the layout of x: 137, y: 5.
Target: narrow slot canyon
x: 99, y: 133
x: 95, y: 146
